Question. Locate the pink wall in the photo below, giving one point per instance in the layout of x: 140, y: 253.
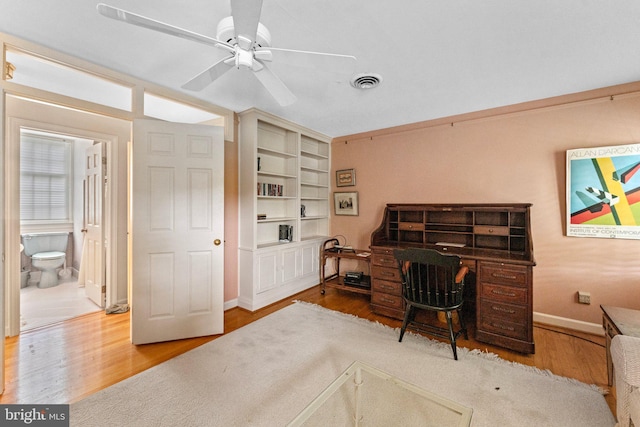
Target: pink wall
x: 231, y: 218
x: 509, y: 158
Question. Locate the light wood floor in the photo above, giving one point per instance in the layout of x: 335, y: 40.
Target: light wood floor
x: 68, y: 361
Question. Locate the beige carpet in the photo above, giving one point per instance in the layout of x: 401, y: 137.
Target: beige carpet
x: 265, y: 373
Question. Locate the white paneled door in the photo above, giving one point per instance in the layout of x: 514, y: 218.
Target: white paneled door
x: 94, y: 247
x: 176, y: 235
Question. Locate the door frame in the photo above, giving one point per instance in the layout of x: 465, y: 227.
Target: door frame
x: 12, y: 210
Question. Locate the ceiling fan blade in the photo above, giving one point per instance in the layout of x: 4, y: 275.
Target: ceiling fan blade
x: 206, y: 77
x: 274, y: 85
x: 308, y: 59
x: 246, y: 16
x: 152, y: 24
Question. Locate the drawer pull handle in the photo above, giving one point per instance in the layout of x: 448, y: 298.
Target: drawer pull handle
x: 386, y: 261
x: 390, y: 301
x: 506, y: 328
x: 386, y: 273
x: 390, y: 288
x: 503, y: 293
x: 504, y: 276
x: 502, y: 310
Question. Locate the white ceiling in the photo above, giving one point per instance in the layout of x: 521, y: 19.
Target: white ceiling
x: 437, y: 58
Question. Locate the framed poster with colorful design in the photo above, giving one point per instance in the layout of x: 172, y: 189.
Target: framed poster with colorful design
x: 603, y: 192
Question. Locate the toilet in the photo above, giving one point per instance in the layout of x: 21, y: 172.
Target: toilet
x: 48, y: 253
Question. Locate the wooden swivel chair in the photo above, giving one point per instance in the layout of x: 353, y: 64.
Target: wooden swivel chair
x: 435, y: 282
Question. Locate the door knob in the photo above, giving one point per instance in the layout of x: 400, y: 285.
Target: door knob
x: 217, y: 242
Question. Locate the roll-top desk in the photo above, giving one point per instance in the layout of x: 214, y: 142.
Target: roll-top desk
x: 493, y: 240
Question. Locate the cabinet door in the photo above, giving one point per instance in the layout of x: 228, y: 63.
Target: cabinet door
x: 289, y: 264
x: 309, y: 260
x: 267, y: 268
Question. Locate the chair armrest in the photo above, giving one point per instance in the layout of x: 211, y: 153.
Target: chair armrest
x: 461, y: 273
x: 634, y: 407
x: 625, y: 354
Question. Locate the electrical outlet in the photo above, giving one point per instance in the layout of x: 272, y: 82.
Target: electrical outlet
x: 584, y: 297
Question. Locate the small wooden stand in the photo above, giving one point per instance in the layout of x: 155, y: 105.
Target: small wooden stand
x: 336, y: 280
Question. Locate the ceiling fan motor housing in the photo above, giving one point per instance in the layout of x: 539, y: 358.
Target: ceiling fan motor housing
x: 227, y: 33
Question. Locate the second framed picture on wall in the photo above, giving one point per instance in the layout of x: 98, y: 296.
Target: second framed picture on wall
x: 345, y: 178
x: 346, y: 203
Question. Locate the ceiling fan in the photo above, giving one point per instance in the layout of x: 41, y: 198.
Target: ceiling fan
x: 247, y: 41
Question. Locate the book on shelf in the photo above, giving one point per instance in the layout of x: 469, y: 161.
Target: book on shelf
x: 266, y: 189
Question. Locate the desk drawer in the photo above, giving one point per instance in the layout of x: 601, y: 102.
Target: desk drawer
x: 491, y: 230
x: 504, y: 327
x: 387, y: 300
x: 506, y: 274
x: 386, y: 273
x: 508, y: 294
x: 386, y: 287
x: 384, y: 260
x: 411, y: 226
x: 505, y: 312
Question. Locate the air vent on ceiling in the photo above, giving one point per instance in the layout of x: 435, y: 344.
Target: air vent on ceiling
x: 366, y: 80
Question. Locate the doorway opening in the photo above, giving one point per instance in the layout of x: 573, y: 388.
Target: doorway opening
x: 50, y: 125
x: 58, y: 200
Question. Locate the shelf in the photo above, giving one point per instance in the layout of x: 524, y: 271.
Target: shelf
x: 276, y: 153
x: 276, y: 197
x: 276, y: 175
x: 279, y: 219
x: 338, y: 283
x: 309, y: 169
x: 313, y: 155
x: 309, y: 218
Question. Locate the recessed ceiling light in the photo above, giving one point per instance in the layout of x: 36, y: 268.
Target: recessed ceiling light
x: 366, y: 80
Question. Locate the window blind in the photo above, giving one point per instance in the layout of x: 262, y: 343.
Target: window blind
x: 44, y: 178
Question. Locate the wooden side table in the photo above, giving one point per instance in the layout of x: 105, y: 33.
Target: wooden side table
x: 618, y: 321
x: 336, y: 280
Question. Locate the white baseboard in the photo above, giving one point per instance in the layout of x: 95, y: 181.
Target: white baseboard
x: 230, y: 304
x: 577, y: 325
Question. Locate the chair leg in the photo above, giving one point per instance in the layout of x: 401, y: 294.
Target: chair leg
x: 462, y: 325
x: 452, y: 336
x: 405, y: 322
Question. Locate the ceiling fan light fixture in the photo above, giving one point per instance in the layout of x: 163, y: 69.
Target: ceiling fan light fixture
x: 366, y: 80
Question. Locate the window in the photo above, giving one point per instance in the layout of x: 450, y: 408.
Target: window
x: 175, y: 111
x: 45, y: 169
x: 42, y: 73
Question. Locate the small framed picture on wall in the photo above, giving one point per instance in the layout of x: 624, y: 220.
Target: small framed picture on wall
x: 345, y: 178
x: 346, y: 203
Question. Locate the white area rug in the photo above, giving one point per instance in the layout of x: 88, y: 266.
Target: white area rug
x: 265, y: 373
